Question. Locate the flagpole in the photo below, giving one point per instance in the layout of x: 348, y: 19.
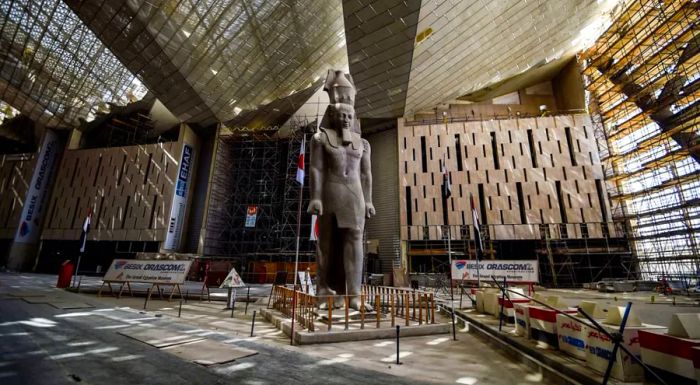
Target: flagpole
x: 477, y: 240
x: 446, y: 218
x: 77, y: 266
x: 83, y: 241
x: 452, y: 294
x: 296, y: 256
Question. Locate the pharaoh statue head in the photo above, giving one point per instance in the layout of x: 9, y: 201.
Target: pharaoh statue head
x: 341, y: 111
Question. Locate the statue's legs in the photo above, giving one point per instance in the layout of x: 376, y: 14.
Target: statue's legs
x: 352, y: 262
x: 324, y: 250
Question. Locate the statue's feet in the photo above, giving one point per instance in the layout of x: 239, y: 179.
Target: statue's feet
x: 356, y: 304
x: 323, y: 295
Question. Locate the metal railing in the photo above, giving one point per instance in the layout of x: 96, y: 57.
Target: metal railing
x: 412, y: 307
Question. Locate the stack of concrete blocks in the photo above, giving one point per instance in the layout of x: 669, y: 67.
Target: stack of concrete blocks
x: 599, y: 346
x: 486, y: 299
x: 676, y: 354
x: 572, y: 331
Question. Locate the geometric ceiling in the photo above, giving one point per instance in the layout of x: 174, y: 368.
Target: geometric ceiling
x: 53, y: 68
x: 209, y: 60
x: 380, y: 37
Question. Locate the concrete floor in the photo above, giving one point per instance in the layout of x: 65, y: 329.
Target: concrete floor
x: 45, y: 345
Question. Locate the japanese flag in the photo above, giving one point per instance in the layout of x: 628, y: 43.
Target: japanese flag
x: 300, y: 162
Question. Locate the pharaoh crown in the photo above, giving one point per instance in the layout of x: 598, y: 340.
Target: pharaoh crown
x: 340, y: 87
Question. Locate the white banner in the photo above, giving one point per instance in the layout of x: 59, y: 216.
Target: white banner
x: 524, y: 271
x: 307, y: 284
x: 179, y: 205
x: 150, y: 271
x: 37, y: 194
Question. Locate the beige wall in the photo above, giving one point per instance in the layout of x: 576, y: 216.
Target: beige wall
x: 538, y: 183
x: 15, y: 175
x: 113, y: 182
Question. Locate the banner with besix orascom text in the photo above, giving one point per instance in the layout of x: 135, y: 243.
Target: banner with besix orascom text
x: 149, y: 271
x: 37, y: 194
x: 523, y: 271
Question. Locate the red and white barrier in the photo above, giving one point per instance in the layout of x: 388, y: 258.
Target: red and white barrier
x: 572, y: 336
x: 696, y: 363
x: 599, y: 351
x: 543, y: 325
x: 522, y: 319
x: 509, y: 307
x: 671, y: 356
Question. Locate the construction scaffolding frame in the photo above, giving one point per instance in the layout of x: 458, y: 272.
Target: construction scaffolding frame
x: 257, y: 168
x: 247, y: 173
x: 643, y: 79
x: 567, y: 258
x: 290, y: 201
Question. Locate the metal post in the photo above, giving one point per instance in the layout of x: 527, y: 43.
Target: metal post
x: 77, y: 266
x: 179, y: 311
x: 449, y: 276
x: 252, y: 325
x: 503, y: 302
x: 247, y: 300
x: 148, y: 295
x: 398, y: 330
x: 296, y: 255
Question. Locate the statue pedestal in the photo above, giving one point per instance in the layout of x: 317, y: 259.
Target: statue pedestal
x: 338, y: 316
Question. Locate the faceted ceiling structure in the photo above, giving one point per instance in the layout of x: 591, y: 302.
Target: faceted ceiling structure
x: 53, y: 68
x: 210, y: 60
x: 460, y: 46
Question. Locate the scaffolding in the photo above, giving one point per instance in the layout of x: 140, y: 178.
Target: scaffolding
x: 290, y: 203
x: 247, y: 174
x: 643, y: 79
x: 566, y: 253
x: 257, y: 168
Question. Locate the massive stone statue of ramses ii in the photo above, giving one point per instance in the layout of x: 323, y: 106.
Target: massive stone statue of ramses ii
x: 341, y: 193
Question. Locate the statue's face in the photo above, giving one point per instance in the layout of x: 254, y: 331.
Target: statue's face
x: 342, y: 116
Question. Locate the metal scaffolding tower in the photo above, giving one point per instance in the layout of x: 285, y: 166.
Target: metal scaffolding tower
x: 643, y: 75
x: 247, y: 174
x: 290, y: 201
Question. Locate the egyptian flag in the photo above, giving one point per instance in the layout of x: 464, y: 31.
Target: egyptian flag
x: 446, y: 186
x: 477, y: 233
x: 86, y: 230
x: 300, y: 162
x: 314, y: 228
